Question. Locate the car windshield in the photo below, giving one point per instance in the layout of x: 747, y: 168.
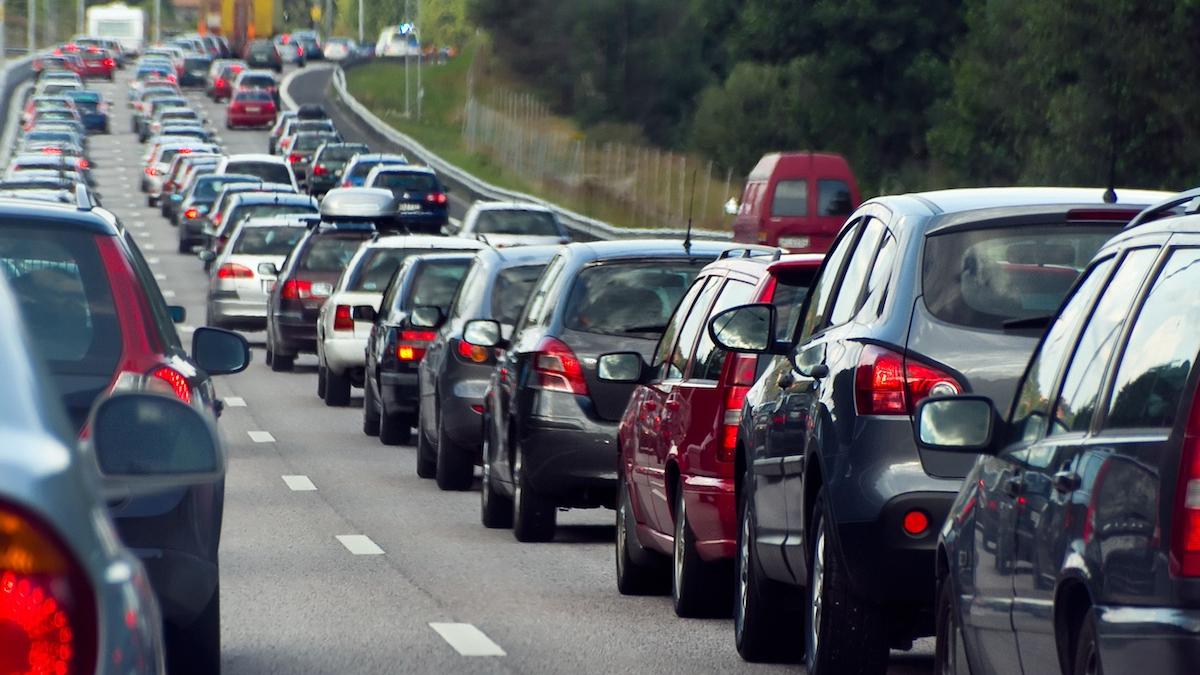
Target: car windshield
x: 269, y: 172
x: 267, y: 240
x: 628, y: 298
x: 329, y: 253
x: 403, y: 181
x: 436, y: 282
x: 511, y: 291
x: 517, y: 221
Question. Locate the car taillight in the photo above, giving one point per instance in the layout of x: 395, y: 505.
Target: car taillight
x: 413, y: 344
x: 191, y: 214
x: 436, y: 197
x: 741, y: 378
x: 342, y: 319
x: 151, y: 171
x: 319, y: 170
x: 47, y: 612
x: 234, y: 271
x: 294, y: 157
x: 472, y: 353
x: 219, y: 82
x: 82, y: 163
x: 556, y: 368
x: 888, y: 383
x: 346, y: 183
x: 303, y: 289
x: 1185, y: 521
x: 109, y: 63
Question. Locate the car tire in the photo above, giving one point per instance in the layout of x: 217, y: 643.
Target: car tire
x: 426, y: 455
x: 321, y: 382
x: 370, y: 410
x: 394, y: 429
x: 337, y: 389
x: 766, y: 620
x: 533, y: 514
x: 196, y: 649
x: 495, y: 510
x: 282, y: 363
x: 150, y: 201
x: 184, y: 246
x: 639, y: 571
x: 455, y: 471
x: 698, y: 588
x: 949, y: 652
x: 846, y: 634
x: 269, y: 358
x: 1087, y: 650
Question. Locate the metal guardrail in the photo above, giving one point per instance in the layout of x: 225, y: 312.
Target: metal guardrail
x: 486, y: 191
x: 17, y: 76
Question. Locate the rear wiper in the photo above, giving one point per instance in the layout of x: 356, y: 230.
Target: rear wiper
x: 1028, y: 322
x: 644, y: 329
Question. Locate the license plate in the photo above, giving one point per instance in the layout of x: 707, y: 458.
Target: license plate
x: 793, y: 242
x: 253, y: 109
x: 409, y: 207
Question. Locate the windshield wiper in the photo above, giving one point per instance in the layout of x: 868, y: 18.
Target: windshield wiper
x: 1028, y: 322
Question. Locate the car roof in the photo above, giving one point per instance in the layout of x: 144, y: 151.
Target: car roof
x: 426, y: 241
x: 256, y: 157
x: 940, y: 202
x: 511, y: 206
x: 516, y: 256
x: 274, y: 198
x: 283, y: 220
x: 51, y: 215
x: 646, y: 248
x: 377, y: 156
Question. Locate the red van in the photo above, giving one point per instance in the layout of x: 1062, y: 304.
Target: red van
x: 796, y: 200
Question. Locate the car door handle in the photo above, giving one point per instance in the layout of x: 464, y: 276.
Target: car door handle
x: 1066, y: 481
x: 1013, y: 486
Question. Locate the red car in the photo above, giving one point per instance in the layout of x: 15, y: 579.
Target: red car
x: 222, y: 85
x: 796, y: 200
x: 678, y: 437
x: 98, y: 62
x: 250, y: 108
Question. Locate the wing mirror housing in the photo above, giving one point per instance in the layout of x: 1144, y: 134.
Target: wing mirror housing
x: 426, y: 316
x: 219, y: 351
x: 268, y: 269
x: 178, y: 313
x: 957, y: 424
x: 206, y: 255
x: 364, y: 313
x: 627, y: 367
x: 484, y: 333
x: 748, y: 329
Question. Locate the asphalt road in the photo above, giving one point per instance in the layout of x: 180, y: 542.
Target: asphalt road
x: 296, y: 599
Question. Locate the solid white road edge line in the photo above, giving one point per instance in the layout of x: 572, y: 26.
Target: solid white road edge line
x: 299, y: 483
x: 467, y: 639
x: 359, y: 544
x: 261, y: 436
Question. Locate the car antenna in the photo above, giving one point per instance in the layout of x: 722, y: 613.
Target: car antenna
x: 1110, y: 195
x: 687, y: 239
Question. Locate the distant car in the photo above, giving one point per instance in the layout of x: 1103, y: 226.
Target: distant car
x: 98, y: 62
x: 342, y: 340
x: 290, y: 51
x: 192, y: 218
x: 327, y: 164
x: 176, y: 179
x: 258, y: 80
x: 454, y: 374
x: 250, y: 108
x: 195, y: 70
x: 550, y: 420
x: 796, y: 200
x: 1077, y: 527
x: 302, y: 148
x: 355, y: 173
x: 281, y: 121
x: 222, y: 74
x: 93, y: 109
x: 160, y: 160
x: 504, y: 224
x: 269, y: 169
x: 340, y: 49
x: 263, y: 54
x: 296, y: 125
x: 310, y: 41
x: 238, y: 289
x: 253, y: 204
x: 422, y: 204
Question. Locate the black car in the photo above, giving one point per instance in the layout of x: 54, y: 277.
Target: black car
x: 419, y: 293
x: 327, y: 163
x: 195, y: 71
x: 304, y: 146
x: 193, y: 210
x: 454, y: 374
x: 422, y: 204
x: 1074, y: 544
x: 263, y: 54
x: 550, y: 422
x: 305, y: 282
x: 932, y: 294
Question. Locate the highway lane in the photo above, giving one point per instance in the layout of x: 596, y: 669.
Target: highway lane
x: 296, y: 599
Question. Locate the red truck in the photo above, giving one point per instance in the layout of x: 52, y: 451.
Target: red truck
x: 795, y: 200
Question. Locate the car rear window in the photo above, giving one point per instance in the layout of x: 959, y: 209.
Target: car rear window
x: 64, y: 295
x: 208, y: 187
x: 378, y: 265
x: 987, y: 277
x: 404, y: 181
x: 311, y: 141
x: 436, y: 282
x: 329, y: 254
x: 341, y: 153
x: 270, y: 240
x: 197, y: 62
x: 791, y: 198
x: 517, y: 221
x: 269, y: 172
x: 511, y: 291
x: 261, y: 81
x: 252, y: 95
x: 628, y: 298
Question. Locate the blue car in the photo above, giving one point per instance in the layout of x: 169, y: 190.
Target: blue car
x: 356, y: 171
x: 93, y: 109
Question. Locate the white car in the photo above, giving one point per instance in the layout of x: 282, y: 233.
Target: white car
x: 270, y: 168
x: 239, y: 287
x: 159, y: 161
x: 339, y: 49
x: 503, y: 224
x: 342, y: 339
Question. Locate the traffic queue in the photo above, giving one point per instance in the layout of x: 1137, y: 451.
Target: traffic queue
x: 974, y: 416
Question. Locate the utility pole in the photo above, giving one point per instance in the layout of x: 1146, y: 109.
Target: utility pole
x: 79, y: 12
x: 3, y: 54
x: 157, y: 20
x: 360, y: 22
x: 31, y: 26
x: 420, y: 56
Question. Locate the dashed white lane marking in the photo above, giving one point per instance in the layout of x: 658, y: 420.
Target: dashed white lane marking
x: 168, y: 294
x: 234, y: 402
x: 299, y: 483
x: 149, y: 247
x: 467, y: 639
x: 359, y: 544
x: 159, y: 276
x: 143, y: 234
x: 261, y: 436
x: 184, y: 328
x: 152, y: 261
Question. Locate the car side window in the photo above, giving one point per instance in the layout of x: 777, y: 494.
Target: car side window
x: 666, y: 343
x: 1080, y: 392
x: 877, y: 282
x: 818, y: 299
x: 849, y: 294
x: 1032, y: 405
x: 1162, y: 348
x: 690, y: 330
x: 537, y: 303
x: 709, y: 359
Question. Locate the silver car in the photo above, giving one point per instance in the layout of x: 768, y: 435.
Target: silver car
x: 511, y: 224
x: 238, y: 288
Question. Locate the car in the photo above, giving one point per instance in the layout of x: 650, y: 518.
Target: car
x: 259, y: 80
x: 167, y: 115
x: 247, y: 189
x: 263, y: 54
x: 281, y: 121
x: 931, y: 294
x: 302, y: 148
x: 297, y: 125
x: 179, y: 174
x: 422, y: 204
x: 254, y: 203
x: 238, y: 290
x: 511, y: 224
x: 290, y: 51
x: 192, y: 221
x: 91, y: 305
x: 250, y: 108
x: 550, y: 423
x: 677, y: 440
x: 93, y: 109
x: 359, y: 167
x: 159, y: 161
x: 98, y: 62
x: 778, y: 206
x: 340, y: 49
x: 45, y: 102
x: 46, y: 161
x: 453, y: 375
x: 150, y: 106
x: 221, y: 75
x: 327, y: 163
x: 266, y: 167
x: 195, y: 70
x: 341, y: 340
x: 1079, y: 514
x: 186, y: 129
x: 310, y: 42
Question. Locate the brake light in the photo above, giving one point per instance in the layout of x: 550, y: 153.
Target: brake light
x: 109, y: 63
x: 472, y: 353
x: 741, y: 378
x: 436, y: 198
x: 219, y: 82
x: 191, y: 214
x: 1185, y: 521
x: 296, y: 289
x: 556, y: 368
x: 413, y: 344
x: 342, y: 319
x: 82, y: 163
x: 915, y: 523
x: 888, y: 383
x: 169, y: 381
x: 234, y: 271
x: 319, y: 170
x: 151, y: 171
x: 46, y: 606
x: 294, y: 157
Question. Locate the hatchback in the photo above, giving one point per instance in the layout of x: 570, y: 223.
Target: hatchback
x: 193, y: 209
x: 354, y: 174
x: 511, y: 224
x: 267, y: 168
x: 242, y: 204
x: 302, y: 148
x: 238, y: 289
x: 422, y: 204
x: 327, y: 163
x: 250, y: 108
x: 263, y: 54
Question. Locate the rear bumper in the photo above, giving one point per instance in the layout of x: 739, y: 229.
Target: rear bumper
x: 1148, y: 639
x: 573, y: 461
x: 240, y: 312
x: 245, y: 120
x: 712, y: 512
x: 342, y: 354
x: 296, y: 336
x: 463, y: 424
x: 399, y: 391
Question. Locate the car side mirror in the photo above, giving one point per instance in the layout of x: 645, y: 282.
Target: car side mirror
x: 268, y: 269
x: 178, y: 313
x: 426, y: 317
x: 483, y: 333
x: 206, y: 255
x: 811, y: 362
x: 621, y: 367
x: 220, y: 352
x: 956, y: 423
x: 145, y: 441
x: 363, y: 313
x: 748, y: 329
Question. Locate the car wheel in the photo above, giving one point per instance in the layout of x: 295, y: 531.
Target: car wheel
x: 949, y: 653
x: 639, y: 571
x: 270, y: 355
x: 845, y: 633
x: 1087, y: 651
x: 455, y: 470
x: 321, y: 382
x: 426, y: 454
x: 394, y: 429
x: 533, y: 514
x: 196, y: 649
x: 149, y: 200
x: 370, y: 410
x: 698, y: 588
x: 765, y: 625
x: 495, y: 510
x: 337, y: 388
x: 281, y: 363
x: 184, y: 246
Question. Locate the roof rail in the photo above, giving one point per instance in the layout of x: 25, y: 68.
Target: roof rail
x: 750, y: 252
x: 1162, y: 209
x: 83, y: 198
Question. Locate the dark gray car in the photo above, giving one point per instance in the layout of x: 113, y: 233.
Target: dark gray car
x: 454, y: 374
